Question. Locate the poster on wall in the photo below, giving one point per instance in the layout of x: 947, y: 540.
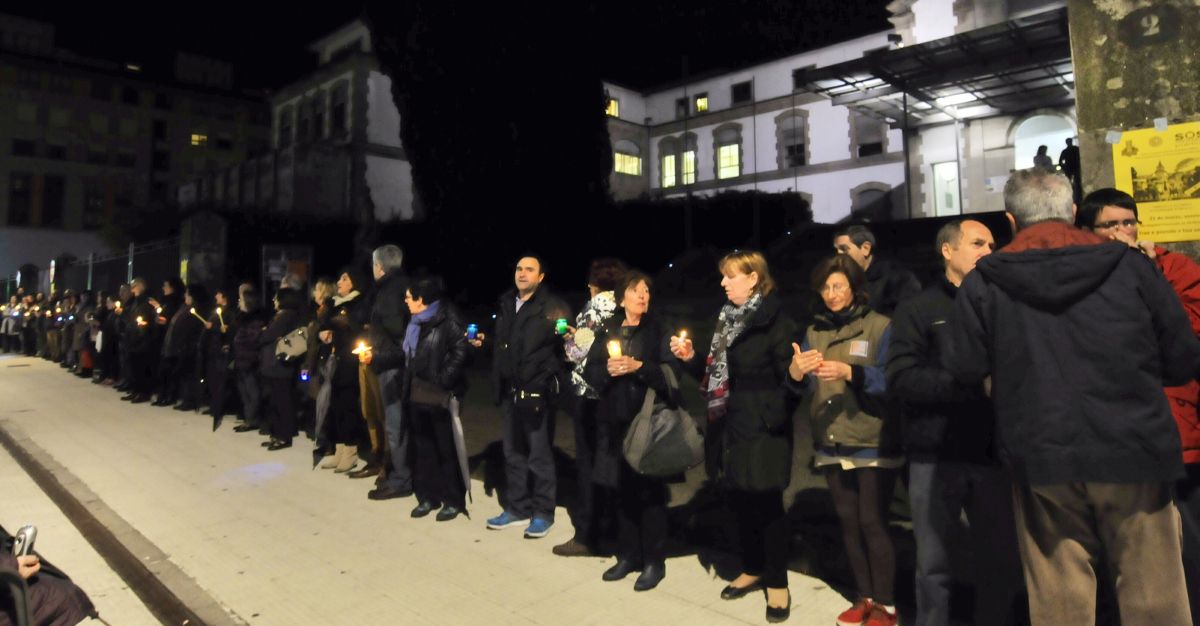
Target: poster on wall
x: 1162, y: 171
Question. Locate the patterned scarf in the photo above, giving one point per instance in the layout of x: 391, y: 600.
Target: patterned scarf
x: 730, y: 324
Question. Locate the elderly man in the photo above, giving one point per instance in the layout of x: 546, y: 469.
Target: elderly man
x: 1079, y: 336
x: 948, y: 438
x: 389, y: 318
x: 887, y: 282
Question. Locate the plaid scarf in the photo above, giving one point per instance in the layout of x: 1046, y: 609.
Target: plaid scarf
x: 730, y: 324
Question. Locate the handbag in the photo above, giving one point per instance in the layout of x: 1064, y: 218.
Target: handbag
x: 662, y: 440
x: 425, y: 393
x: 293, y: 345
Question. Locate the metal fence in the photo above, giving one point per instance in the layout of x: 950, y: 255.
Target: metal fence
x: 155, y: 261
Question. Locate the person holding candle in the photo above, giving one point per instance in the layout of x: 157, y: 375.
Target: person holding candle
x: 180, y: 350
x: 624, y: 363
x: 592, y: 504
x: 749, y: 434
x: 279, y: 377
x: 382, y: 402
x: 248, y: 324
x: 217, y: 354
x: 141, y: 338
x: 110, y: 344
x: 165, y: 308
x: 840, y: 368
x: 341, y: 331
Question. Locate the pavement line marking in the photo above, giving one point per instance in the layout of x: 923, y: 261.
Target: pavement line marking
x: 170, y: 594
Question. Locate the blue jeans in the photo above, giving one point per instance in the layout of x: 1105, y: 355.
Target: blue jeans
x: 939, y: 492
x: 400, y: 475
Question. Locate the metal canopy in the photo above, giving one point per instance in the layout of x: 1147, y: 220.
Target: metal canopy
x: 1022, y: 64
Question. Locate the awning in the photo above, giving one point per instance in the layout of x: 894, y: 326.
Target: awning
x: 1022, y: 64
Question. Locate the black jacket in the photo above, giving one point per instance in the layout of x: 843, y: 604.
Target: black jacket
x: 888, y: 284
x: 142, y: 338
x: 346, y: 320
x: 944, y: 420
x: 246, y: 329
x: 1079, y: 341
x: 284, y: 322
x: 528, y: 354
x: 441, y: 354
x: 389, y: 315
x: 183, y: 334
x: 621, y: 397
x: 756, y: 431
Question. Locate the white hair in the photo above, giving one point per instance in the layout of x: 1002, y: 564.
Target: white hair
x: 1038, y: 195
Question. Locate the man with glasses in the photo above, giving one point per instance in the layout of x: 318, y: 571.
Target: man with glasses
x: 1113, y: 214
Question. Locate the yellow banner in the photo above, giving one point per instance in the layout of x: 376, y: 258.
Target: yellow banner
x: 1162, y: 171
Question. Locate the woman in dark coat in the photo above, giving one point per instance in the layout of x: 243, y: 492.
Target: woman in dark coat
x: 341, y: 330
x: 279, y: 377
x: 217, y: 352
x: 749, y: 437
x: 433, y: 356
x: 249, y: 324
x: 195, y: 310
x: 622, y: 381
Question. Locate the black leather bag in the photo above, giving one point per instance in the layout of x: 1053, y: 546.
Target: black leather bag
x: 425, y: 393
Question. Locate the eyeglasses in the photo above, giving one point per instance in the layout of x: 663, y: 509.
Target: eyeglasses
x: 835, y: 288
x: 1115, y: 223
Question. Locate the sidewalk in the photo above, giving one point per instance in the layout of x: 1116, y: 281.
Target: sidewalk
x: 273, y: 542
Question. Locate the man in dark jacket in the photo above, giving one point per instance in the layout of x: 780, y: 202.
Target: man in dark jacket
x: 887, y: 282
x: 389, y: 318
x: 1079, y: 337
x: 526, y: 373
x: 140, y: 336
x: 948, y: 432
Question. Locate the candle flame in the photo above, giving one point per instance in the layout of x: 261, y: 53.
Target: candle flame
x: 614, y: 349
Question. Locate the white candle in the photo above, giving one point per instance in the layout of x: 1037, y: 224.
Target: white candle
x: 614, y: 349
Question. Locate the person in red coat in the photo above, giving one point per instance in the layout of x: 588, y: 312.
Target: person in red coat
x: 1113, y: 214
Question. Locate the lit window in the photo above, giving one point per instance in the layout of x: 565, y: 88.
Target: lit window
x: 689, y: 167
x: 729, y: 161
x: 199, y: 139
x: 702, y: 103
x: 627, y: 164
x: 668, y: 170
x: 613, y: 109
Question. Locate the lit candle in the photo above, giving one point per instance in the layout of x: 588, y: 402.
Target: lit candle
x: 159, y: 310
x: 361, y: 348
x: 614, y: 349
x: 140, y: 321
x: 221, y: 318
x: 682, y: 336
x: 198, y: 315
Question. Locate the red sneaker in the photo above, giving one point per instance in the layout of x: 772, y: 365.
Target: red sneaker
x: 880, y: 617
x: 856, y: 615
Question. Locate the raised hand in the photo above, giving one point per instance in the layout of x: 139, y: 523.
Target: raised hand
x: 803, y: 363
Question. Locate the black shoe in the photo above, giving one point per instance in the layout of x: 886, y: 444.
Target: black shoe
x: 279, y: 445
x: 185, y: 407
x: 450, y: 512
x: 780, y: 614
x: 651, y: 575
x: 425, y: 508
x: 161, y: 402
x: 129, y: 396
x: 387, y: 493
x: 140, y: 399
x: 733, y: 593
x: 244, y: 428
x: 622, y: 569
x: 121, y: 387
x: 368, y: 470
x: 269, y: 442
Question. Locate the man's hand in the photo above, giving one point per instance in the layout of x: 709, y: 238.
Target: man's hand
x: 28, y: 565
x: 683, y: 349
x: 803, y: 363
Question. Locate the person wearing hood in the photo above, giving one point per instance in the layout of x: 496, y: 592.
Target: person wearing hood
x: 1113, y: 214
x: 342, y: 332
x: 840, y: 368
x: 887, y: 282
x: 434, y: 354
x: 1079, y: 336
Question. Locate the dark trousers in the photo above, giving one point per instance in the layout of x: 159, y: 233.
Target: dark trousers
x: 250, y: 391
x: 861, y: 498
x: 141, y: 372
x: 345, y: 420
x: 585, y: 512
x: 642, y: 515
x: 939, y: 492
x: 187, y: 380
x: 168, y: 378
x: 764, y: 533
x: 529, y: 454
x: 1188, y: 494
x: 283, y: 407
x: 217, y: 375
x: 437, y: 477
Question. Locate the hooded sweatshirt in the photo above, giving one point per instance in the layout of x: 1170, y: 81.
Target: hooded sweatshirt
x: 1079, y: 337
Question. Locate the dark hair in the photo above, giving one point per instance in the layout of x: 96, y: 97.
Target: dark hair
x: 631, y: 280
x: 251, y: 299
x: 428, y: 289
x: 950, y: 233
x: 1095, y: 202
x: 536, y: 257
x: 199, y: 294
x: 857, y: 233
x: 1042, y: 149
x: 607, y: 273
x: 176, y: 284
x: 841, y: 264
x: 289, y: 299
x: 356, y: 279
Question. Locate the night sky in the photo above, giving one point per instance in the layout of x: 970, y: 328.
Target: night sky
x: 638, y: 44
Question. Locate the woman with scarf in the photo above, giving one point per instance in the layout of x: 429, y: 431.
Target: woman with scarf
x: 433, y: 356
x: 341, y: 328
x: 323, y: 293
x: 840, y: 368
x: 622, y: 382
x: 749, y: 435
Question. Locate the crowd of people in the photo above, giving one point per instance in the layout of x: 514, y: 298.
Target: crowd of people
x: 1046, y: 392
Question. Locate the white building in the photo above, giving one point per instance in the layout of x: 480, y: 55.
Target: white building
x: 925, y: 120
